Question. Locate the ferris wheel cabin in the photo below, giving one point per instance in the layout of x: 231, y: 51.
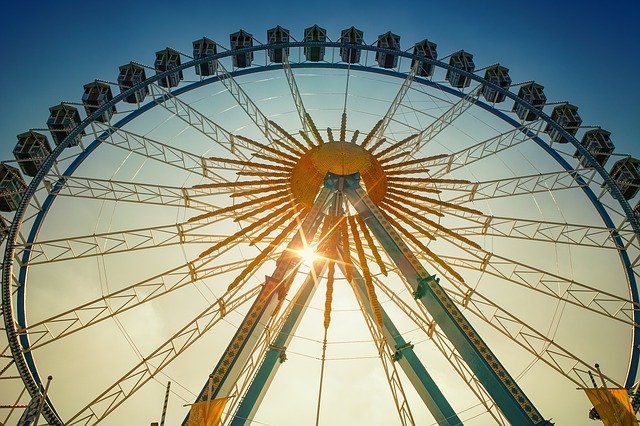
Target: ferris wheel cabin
x: 567, y: 117
x: 129, y: 76
x: 62, y: 120
x: 428, y: 50
x: 201, y: 48
x: 351, y: 36
x: 31, y: 151
x: 532, y: 93
x: 498, y: 75
x: 464, y: 61
x: 277, y: 36
x: 598, y: 143
x: 240, y: 40
x: 626, y: 173
x: 390, y: 41
x: 95, y: 95
x: 315, y: 33
x: 12, y: 187
x: 165, y: 60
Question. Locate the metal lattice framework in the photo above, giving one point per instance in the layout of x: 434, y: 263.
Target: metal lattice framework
x: 392, y: 210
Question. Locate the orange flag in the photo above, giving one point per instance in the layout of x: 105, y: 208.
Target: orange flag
x: 613, y: 406
x: 207, y: 413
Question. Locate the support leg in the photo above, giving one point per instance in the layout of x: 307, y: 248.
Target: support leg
x: 244, y: 341
x: 501, y: 386
x: 421, y: 380
x: 275, y: 355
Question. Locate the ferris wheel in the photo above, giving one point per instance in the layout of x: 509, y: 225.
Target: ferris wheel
x: 317, y: 232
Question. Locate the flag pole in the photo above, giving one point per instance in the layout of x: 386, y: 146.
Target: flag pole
x: 604, y: 383
x: 609, y: 397
x: 164, y: 407
x: 209, y: 395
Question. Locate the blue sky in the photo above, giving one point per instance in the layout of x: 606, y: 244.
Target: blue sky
x: 581, y: 51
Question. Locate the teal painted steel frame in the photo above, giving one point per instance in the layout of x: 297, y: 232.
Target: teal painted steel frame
x: 512, y: 401
x: 273, y: 358
x: 418, y: 375
x: 245, y: 339
x: 426, y: 387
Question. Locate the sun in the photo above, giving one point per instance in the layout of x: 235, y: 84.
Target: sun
x: 308, y: 255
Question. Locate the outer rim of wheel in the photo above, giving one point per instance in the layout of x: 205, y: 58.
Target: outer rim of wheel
x: 25, y: 363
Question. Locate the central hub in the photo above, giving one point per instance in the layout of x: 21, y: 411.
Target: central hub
x: 340, y: 158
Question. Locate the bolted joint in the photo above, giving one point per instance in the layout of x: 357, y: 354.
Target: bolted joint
x: 282, y: 355
x: 423, y: 284
x: 397, y: 355
x: 331, y: 181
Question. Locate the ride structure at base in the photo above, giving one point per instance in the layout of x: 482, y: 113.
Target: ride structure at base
x: 362, y: 201
x: 339, y: 165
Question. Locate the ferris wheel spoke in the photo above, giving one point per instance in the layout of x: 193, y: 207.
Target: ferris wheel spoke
x: 197, y: 120
x: 427, y: 324
x: 102, y: 308
x: 81, y: 246
x: 295, y: 93
x: 133, y: 192
x: 485, y: 148
x: 542, y: 347
x: 405, y: 214
x: 164, y: 153
x: 162, y: 356
x: 7, y: 368
x: 107, y: 243
x: 245, y: 102
x: 548, y: 231
x: 526, y: 185
x: 155, y: 150
x: 447, y: 118
x: 560, y: 288
x: 59, y: 326
x: 78, y: 247
x: 380, y: 129
x: 443, y: 121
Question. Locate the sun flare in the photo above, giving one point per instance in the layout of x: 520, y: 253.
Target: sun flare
x: 308, y: 255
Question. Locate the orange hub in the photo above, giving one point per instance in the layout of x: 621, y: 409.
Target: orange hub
x: 340, y: 158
